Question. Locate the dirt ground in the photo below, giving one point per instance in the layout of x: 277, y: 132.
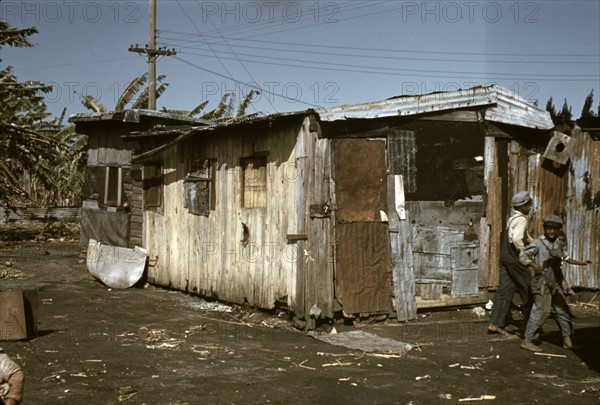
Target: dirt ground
x: 97, y: 345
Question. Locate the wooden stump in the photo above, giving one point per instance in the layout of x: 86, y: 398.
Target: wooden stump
x: 18, y: 314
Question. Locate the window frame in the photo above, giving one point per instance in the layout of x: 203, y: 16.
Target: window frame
x: 200, y: 171
x: 258, y: 192
x: 113, y: 174
x: 152, y: 185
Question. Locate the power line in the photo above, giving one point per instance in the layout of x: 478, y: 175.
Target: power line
x: 282, y: 20
x: 245, y: 84
x: 385, y: 57
x: 409, y: 51
x: 408, y: 72
x: 399, y: 70
x: 243, y: 66
x: 199, y: 33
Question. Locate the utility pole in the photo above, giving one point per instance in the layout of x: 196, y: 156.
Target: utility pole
x: 152, y: 53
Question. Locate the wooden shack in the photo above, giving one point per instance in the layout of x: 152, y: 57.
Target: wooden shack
x: 112, y: 209
x: 355, y: 211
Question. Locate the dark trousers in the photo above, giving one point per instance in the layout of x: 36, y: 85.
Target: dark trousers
x: 514, y: 278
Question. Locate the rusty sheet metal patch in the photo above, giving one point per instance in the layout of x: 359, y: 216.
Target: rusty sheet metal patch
x: 360, y: 180
x: 363, y: 271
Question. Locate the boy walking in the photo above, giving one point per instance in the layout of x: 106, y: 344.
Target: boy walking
x: 544, y: 256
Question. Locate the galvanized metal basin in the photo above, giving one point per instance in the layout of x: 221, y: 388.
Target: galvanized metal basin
x: 117, y: 267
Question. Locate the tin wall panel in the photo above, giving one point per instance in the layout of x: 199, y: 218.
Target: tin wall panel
x: 583, y: 211
x: 360, y: 177
x: 402, y: 156
x: 363, y: 276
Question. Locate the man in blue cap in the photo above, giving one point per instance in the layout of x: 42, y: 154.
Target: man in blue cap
x: 514, y: 276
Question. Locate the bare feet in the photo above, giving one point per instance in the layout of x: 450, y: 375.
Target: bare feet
x: 496, y: 329
x: 528, y: 345
x: 568, y: 343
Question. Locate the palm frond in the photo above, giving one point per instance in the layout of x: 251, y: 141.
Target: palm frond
x: 64, y: 134
x: 92, y: 104
x: 142, y: 100
x: 178, y: 112
x: 130, y: 91
x: 241, y: 111
x: 219, y: 110
x: 229, y: 108
x: 198, y: 109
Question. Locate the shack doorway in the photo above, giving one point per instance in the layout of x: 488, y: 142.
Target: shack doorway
x: 363, y: 258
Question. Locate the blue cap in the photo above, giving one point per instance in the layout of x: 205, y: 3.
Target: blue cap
x: 521, y: 198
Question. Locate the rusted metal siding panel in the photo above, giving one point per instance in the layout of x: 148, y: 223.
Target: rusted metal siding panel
x: 363, y: 259
x: 548, y: 188
x: 363, y: 276
x: 583, y: 211
x: 360, y: 180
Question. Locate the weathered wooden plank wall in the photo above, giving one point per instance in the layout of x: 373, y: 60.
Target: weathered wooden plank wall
x: 489, y: 253
x: 402, y: 253
x: 236, y: 254
x: 517, y: 165
x: 319, y: 257
x: 106, y: 148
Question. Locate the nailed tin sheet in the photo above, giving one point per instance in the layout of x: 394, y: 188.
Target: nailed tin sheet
x: 583, y: 210
x: 514, y: 110
x: 363, y: 260
x: 361, y: 182
x: 504, y: 106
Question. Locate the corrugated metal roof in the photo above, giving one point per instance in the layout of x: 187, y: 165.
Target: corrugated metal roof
x: 514, y: 110
x: 502, y: 106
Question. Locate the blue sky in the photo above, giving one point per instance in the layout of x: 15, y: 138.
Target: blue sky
x: 310, y: 53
